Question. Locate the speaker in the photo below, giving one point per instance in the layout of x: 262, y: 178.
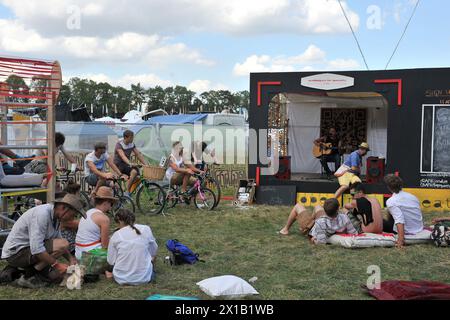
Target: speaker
x: 284, y: 168
x: 375, y: 170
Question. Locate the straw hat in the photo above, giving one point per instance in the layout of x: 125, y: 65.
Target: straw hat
x: 73, y: 202
x: 105, y: 193
x: 364, y: 145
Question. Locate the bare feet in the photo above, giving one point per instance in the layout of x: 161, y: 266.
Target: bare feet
x: 283, y: 232
x: 108, y: 275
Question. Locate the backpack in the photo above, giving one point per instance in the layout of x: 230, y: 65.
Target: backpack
x: 441, y: 234
x: 181, y: 253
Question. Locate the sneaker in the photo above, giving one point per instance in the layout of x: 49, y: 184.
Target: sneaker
x: 31, y: 282
x: 186, y: 198
x: 9, y: 274
x: 49, y: 275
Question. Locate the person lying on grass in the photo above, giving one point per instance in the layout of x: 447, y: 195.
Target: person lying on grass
x: 131, y: 251
x: 405, y: 215
x: 325, y: 221
x: 364, y: 212
x: 93, y: 232
x: 34, y: 243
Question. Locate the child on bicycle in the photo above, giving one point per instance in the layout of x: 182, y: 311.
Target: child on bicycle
x: 94, y: 167
x: 122, y: 155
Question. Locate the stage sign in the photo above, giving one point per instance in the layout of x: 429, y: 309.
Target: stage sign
x: 328, y: 81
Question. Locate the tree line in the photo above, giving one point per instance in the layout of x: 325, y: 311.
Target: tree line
x: 107, y: 100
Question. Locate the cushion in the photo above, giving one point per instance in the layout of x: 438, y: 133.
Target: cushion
x: 23, y: 180
x: 422, y: 237
x: 364, y: 240
x: 226, y: 286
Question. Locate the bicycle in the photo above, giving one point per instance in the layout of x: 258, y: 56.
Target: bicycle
x: 68, y: 177
x: 124, y: 201
x: 204, y: 198
x: 148, y: 194
x: 211, y: 183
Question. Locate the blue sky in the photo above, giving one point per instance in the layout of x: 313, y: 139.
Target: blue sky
x: 205, y: 45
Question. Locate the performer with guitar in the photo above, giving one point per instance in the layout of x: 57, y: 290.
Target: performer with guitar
x: 327, y: 148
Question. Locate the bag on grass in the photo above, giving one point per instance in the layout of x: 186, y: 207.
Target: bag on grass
x: 181, y: 254
x: 95, y: 261
x: 441, y: 234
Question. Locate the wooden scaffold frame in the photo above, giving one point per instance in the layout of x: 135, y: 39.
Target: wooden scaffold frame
x: 16, y: 96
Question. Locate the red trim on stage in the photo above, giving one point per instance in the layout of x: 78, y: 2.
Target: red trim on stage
x: 265, y: 83
x: 400, y: 88
x: 258, y: 173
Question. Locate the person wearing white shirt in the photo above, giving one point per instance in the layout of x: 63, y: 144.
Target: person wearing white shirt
x: 404, y: 208
x: 131, y: 251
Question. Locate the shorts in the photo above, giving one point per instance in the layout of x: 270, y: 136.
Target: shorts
x: 348, y: 178
x: 177, y: 179
x: 36, y: 166
x: 92, y: 179
x: 305, y: 219
x: 24, y: 258
x: 126, y: 169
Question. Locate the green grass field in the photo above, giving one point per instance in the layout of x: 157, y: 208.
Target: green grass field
x: 243, y: 242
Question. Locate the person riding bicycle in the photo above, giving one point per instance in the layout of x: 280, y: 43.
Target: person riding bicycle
x: 94, y: 167
x: 198, y: 149
x: 122, y: 155
x: 177, y: 173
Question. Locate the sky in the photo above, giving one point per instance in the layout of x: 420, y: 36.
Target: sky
x: 211, y: 45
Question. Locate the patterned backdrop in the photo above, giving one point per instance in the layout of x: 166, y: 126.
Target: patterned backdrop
x: 351, y: 125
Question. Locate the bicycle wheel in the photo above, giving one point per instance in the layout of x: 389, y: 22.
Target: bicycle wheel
x: 86, y: 200
x: 205, y: 199
x: 214, y: 185
x: 172, y: 197
x: 150, y: 198
x: 123, y: 203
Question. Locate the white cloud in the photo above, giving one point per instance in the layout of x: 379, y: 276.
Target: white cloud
x: 200, y: 86
x: 313, y: 58
x: 108, y: 17
x: 146, y: 80
x: 154, y: 50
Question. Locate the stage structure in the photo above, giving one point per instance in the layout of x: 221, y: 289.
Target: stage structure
x: 404, y: 115
x: 29, y: 84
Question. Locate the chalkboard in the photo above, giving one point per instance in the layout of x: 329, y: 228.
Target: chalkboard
x: 441, y: 150
x: 276, y: 195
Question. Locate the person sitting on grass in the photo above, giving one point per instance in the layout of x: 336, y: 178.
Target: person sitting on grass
x: 34, y: 243
x: 405, y: 216
x: 95, y: 166
x: 131, y: 251
x: 324, y: 222
x: 177, y: 173
x: 122, y: 155
x: 364, y: 212
x: 93, y: 232
x: 69, y: 228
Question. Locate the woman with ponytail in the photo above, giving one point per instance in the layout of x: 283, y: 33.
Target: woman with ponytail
x: 132, y: 250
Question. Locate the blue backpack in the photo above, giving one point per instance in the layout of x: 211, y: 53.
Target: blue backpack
x: 181, y: 253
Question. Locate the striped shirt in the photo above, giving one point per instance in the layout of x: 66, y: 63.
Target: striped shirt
x: 325, y: 227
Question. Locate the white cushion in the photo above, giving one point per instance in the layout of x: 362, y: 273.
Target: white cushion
x: 422, y: 237
x: 23, y: 180
x: 226, y: 286
x: 365, y: 240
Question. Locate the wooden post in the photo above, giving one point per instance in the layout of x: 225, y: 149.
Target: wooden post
x: 52, y: 99
x: 3, y: 140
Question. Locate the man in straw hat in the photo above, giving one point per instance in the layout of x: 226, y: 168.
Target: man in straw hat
x: 34, y: 243
x: 349, y: 173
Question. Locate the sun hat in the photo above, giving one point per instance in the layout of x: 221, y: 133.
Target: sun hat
x: 105, y: 193
x: 73, y: 202
x: 364, y: 145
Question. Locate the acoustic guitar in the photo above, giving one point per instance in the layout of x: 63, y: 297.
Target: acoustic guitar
x: 322, y: 149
